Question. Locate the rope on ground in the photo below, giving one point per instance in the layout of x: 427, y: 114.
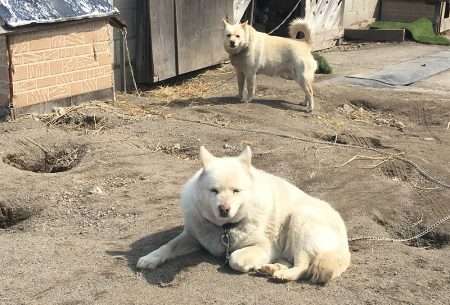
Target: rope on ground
x: 285, y: 19
x: 427, y: 230
x: 314, y: 141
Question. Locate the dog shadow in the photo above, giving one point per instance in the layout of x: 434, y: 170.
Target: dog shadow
x: 166, y: 274
x: 232, y: 100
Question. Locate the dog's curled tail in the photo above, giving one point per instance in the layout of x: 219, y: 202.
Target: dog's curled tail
x: 327, y: 266
x: 300, y: 25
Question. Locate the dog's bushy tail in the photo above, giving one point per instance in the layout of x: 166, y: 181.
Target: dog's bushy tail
x: 327, y: 266
x: 300, y: 25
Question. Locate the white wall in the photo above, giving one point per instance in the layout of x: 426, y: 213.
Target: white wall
x: 360, y: 10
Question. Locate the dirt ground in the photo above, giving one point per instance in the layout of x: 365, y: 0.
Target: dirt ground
x: 106, y: 178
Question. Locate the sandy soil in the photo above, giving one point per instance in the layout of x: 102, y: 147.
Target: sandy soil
x: 63, y: 243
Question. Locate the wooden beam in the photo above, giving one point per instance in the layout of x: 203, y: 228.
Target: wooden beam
x: 375, y: 34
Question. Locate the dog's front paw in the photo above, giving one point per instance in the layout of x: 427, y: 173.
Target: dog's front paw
x: 150, y: 261
x: 245, y: 260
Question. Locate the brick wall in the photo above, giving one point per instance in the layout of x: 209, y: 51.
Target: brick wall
x: 356, y: 11
x: 4, y: 73
x: 62, y: 62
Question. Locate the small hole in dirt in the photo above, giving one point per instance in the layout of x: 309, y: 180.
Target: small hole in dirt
x: 366, y: 105
x: 49, y: 161
x: 354, y: 140
x: 10, y: 216
x: 433, y: 240
x: 91, y: 122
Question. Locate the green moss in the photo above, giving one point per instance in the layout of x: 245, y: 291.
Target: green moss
x: 323, y: 66
x: 421, y: 30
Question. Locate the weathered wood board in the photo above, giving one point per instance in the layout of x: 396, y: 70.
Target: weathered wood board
x: 199, y: 33
x: 375, y: 34
x: 326, y: 20
x: 162, y: 39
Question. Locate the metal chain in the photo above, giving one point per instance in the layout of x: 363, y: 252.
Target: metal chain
x: 125, y: 34
x: 427, y: 230
x: 421, y: 171
x: 225, y: 239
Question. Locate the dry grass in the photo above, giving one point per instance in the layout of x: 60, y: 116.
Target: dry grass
x: 359, y: 114
x: 192, y: 88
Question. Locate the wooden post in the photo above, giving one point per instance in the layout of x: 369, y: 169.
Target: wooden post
x: 252, y: 12
x: 123, y: 62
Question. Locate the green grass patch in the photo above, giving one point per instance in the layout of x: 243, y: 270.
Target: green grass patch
x: 421, y: 30
x: 323, y: 66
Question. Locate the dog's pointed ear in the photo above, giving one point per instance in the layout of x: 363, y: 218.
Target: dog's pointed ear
x: 205, y: 157
x: 225, y: 23
x: 244, y: 24
x: 246, y: 156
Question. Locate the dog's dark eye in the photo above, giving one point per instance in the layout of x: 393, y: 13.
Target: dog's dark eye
x: 238, y: 36
x: 215, y: 191
x: 236, y: 191
x: 229, y: 35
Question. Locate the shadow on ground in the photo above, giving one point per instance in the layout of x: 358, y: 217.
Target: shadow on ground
x: 166, y: 274
x: 276, y: 104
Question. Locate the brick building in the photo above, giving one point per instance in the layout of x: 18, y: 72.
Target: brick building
x: 50, y: 56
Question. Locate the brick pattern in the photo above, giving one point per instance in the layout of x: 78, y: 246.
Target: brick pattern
x: 356, y: 11
x: 4, y: 73
x: 66, y: 61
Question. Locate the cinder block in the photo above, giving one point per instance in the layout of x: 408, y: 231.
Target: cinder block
x: 56, y: 66
x: 104, y: 82
x: 74, y: 39
x: 40, y: 44
x: 20, y: 72
x: 79, y: 75
x: 58, y: 41
x: 47, y: 81
x: 20, y: 99
x: 25, y: 85
x: 38, y: 96
x: 350, y: 18
x: 39, y: 69
x: 33, y: 57
x: 104, y: 59
x: 59, y: 91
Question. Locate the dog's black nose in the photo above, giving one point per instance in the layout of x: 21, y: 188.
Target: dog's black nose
x: 232, y: 44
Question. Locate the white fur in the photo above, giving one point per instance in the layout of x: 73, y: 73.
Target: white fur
x: 281, y: 231
x: 253, y: 52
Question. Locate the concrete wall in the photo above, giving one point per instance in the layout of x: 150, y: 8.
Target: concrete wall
x: 356, y: 11
x: 4, y: 73
x: 62, y: 62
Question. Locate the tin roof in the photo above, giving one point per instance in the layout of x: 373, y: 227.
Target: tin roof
x: 16, y: 13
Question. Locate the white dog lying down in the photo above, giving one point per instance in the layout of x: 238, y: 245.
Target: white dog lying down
x: 269, y: 225
x: 253, y: 52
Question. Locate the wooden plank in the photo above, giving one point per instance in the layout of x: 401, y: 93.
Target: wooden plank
x: 162, y: 33
x: 199, y: 33
x: 375, y: 34
x: 325, y: 18
x: 142, y: 53
x: 445, y: 17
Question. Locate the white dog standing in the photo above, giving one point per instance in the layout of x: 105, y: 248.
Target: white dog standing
x: 267, y: 224
x: 253, y: 52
